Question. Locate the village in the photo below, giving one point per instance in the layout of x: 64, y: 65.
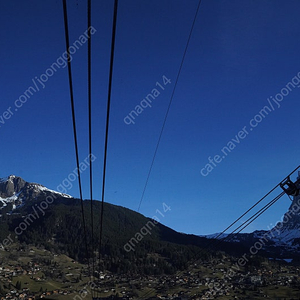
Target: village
x: 205, y: 280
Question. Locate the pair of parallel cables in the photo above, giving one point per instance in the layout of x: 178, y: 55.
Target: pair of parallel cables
x: 220, y: 238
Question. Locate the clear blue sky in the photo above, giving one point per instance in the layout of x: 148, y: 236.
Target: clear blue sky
x: 240, y: 54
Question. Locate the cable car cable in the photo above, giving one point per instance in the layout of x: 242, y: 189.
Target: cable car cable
x: 107, y: 121
x: 273, y: 201
x: 250, y: 220
x: 169, y: 106
x: 259, y: 201
x: 266, y: 208
x: 74, y: 124
x: 89, y: 57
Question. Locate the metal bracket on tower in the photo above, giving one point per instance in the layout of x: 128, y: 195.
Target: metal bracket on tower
x: 290, y: 188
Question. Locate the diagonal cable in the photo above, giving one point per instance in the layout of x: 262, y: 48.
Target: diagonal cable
x: 259, y: 201
x: 216, y: 240
x: 250, y: 220
x: 169, y: 105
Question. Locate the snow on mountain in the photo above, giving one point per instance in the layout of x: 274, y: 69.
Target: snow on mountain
x: 287, y: 232
x: 11, y: 199
x: 215, y: 235
x: 9, y: 178
x: 284, y: 236
x: 287, y: 236
x: 14, y: 192
x: 4, y: 179
x: 44, y: 189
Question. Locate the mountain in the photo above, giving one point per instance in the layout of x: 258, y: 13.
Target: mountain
x: 14, y: 192
x: 284, y: 237
x: 35, y: 215
x: 43, y: 226
x: 283, y: 240
x: 288, y: 231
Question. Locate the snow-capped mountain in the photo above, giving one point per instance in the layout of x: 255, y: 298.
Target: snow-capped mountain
x: 287, y: 232
x: 283, y: 239
x: 14, y: 192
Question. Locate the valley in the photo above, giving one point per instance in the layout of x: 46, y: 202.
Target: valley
x: 48, y: 258
x: 27, y: 272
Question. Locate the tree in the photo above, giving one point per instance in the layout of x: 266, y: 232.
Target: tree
x: 1, y: 290
x: 18, y: 285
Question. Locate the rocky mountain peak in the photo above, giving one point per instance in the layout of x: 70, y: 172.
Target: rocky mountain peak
x: 296, y: 200
x: 11, y: 185
x: 15, y: 192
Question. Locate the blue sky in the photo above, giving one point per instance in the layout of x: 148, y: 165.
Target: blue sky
x: 241, y: 53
